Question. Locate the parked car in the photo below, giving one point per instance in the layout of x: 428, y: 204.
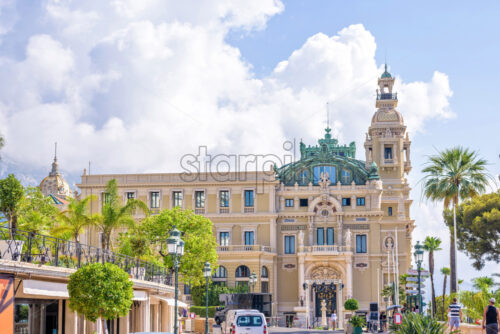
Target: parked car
x: 244, y: 322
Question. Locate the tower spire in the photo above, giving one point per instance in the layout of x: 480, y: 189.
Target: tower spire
x: 55, y: 165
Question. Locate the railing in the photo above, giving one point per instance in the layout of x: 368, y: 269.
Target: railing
x: 245, y: 248
x: 387, y: 96
x: 326, y: 249
x: 46, y: 250
x: 199, y: 211
x: 248, y: 210
x: 223, y: 210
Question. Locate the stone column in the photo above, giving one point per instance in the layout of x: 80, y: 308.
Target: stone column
x: 340, y: 307
x: 164, y: 317
x: 71, y: 322
x: 301, y: 277
x: 349, y: 277
x: 272, y: 233
x: 275, y: 286
x: 340, y: 235
x: 124, y: 324
x: 311, y: 230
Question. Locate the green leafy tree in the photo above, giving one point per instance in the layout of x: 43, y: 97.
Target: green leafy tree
x: 445, y: 271
x: 11, y: 195
x: 36, y: 212
x: 75, y: 218
x: 454, y: 174
x: 431, y: 244
x: 114, y: 215
x: 475, y: 301
x: 478, y: 228
x: 100, y: 291
x: 200, y: 245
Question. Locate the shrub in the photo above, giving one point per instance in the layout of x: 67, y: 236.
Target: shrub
x: 201, y: 311
x: 414, y: 323
x: 357, y: 321
x: 351, y: 304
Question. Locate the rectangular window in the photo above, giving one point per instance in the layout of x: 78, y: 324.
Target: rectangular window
x: 224, y: 198
x: 346, y: 201
x: 289, y: 244
x: 187, y: 289
x: 249, y: 238
x: 320, y: 236
x: 130, y: 195
x: 264, y: 287
x: 361, y: 243
x: 346, y: 176
x: 329, y: 236
x: 248, y: 198
x: 304, y: 202
x: 199, y: 199
x: 224, y: 238
x: 106, y: 198
x: 289, y: 203
x: 389, y: 211
x: 388, y: 152
x: 360, y: 201
x: 177, y: 196
x: 154, y: 199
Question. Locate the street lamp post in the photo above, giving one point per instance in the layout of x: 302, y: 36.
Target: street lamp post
x: 253, y: 280
x: 175, y: 247
x: 419, y: 257
x: 207, y: 272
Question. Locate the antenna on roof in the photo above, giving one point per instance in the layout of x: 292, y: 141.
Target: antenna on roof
x: 55, y: 151
x: 328, y: 115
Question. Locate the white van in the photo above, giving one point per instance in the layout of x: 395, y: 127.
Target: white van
x: 244, y: 322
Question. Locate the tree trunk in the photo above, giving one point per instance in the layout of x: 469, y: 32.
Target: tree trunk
x: 453, y: 264
x: 431, y: 271
x: 13, y: 226
x: 444, y: 293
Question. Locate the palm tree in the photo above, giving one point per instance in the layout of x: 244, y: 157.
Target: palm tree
x: 454, y: 174
x: 114, y: 215
x: 75, y: 218
x: 431, y: 244
x: 446, y: 272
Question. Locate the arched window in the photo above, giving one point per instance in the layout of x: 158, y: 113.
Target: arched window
x: 242, y: 271
x: 220, y: 272
x: 264, y: 273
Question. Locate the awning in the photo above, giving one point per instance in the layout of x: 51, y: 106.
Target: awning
x: 140, y: 296
x: 171, y: 301
x: 42, y: 288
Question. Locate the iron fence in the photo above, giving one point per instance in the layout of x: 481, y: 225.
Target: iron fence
x: 50, y: 251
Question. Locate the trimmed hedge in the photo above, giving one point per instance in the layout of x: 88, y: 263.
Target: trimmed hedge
x: 202, y: 311
x: 351, y: 304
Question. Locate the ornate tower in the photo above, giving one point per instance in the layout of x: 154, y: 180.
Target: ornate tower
x: 387, y: 142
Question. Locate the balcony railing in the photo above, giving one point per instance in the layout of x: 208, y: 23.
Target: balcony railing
x: 249, y: 209
x: 387, y: 96
x: 245, y: 248
x: 49, y: 251
x: 326, y: 249
x: 223, y: 210
x: 199, y: 211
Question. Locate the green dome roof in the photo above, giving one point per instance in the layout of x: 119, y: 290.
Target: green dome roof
x: 386, y: 74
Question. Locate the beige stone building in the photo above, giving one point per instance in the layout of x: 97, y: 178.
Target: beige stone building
x: 320, y: 227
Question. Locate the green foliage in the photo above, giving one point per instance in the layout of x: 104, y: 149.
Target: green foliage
x: 351, y: 304
x: 431, y: 244
x: 478, y: 228
x: 200, y: 245
x: 36, y: 212
x: 115, y: 215
x: 198, y: 293
x: 11, y: 195
x: 357, y: 321
x: 74, y: 219
x: 414, y: 323
x: 100, y: 290
x: 202, y: 311
x: 475, y: 301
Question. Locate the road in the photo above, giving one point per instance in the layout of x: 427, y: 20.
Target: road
x: 285, y: 330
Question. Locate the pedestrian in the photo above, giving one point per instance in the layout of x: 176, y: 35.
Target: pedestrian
x: 491, y: 318
x: 333, y: 319
x: 455, y: 312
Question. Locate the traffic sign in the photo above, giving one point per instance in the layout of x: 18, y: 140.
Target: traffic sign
x: 414, y: 272
x: 414, y: 292
x: 398, y: 318
x: 412, y: 279
x: 414, y: 285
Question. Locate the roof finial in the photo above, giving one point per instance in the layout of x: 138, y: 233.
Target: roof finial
x: 55, y: 151
x: 328, y: 115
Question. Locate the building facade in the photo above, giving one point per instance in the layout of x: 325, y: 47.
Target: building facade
x: 319, y: 228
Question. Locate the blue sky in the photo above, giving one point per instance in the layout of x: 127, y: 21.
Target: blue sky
x: 119, y: 83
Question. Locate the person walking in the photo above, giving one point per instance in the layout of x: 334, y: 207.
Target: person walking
x: 455, y: 312
x: 491, y: 318
x: 333, y: 319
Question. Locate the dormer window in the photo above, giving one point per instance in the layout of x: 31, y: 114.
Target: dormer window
x: 346, y: 176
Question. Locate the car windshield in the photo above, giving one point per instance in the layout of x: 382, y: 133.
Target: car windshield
x: 249, y: 320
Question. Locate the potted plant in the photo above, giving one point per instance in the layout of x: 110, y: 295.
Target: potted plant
x: 350, y: 305
x: 357, y: 322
